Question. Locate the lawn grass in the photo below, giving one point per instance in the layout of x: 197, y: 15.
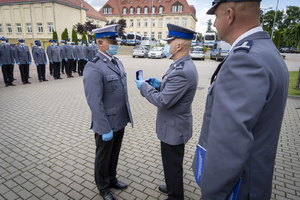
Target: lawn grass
x: 293, y: 81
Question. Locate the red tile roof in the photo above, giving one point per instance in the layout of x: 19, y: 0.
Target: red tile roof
x: 118, y: 5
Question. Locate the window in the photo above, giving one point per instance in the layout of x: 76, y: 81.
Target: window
x: 1, y: 29
x: 145, y: 34
x: 153, y: 10
x: 176, y: 21
x: 124, y: 10
x: 177, y: 7
x: 145, y: 22
x: 107, y: 10
x: 152, y: 35
x: 9, y: 29
x: 153, y: 22
x: 138, y: 10
x: 161, y: 9
x: 131, y: 23
x: 29, y: 28
x: 146, y: 10
x: 168, y: 21
x: 138, y: 23
x: 131, y: 10
x: 184, y: 22
x: 159, y: 36
x: 50, y: 27
x: 19, y: 28
x: 40, y: 27
x: 160, y: 21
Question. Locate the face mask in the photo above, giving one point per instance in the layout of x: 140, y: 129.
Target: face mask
x: 69, y: 43
x: 167, y: 51
x: 93, y: 42
x: 90, y: 45
x: 79, y: 43
x: 22, y: 44
x: 113, y: 50
x: 3, y: 42
x: 55, y: 44
x: 40, y: 47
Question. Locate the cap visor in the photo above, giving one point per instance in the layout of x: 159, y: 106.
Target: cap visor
x: 211, y: 11
x: 169, y: 38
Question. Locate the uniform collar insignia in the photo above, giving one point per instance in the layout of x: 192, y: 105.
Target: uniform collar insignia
x: 244, y: 46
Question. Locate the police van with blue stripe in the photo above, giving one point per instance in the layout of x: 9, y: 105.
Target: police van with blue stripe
x: 220, y: 50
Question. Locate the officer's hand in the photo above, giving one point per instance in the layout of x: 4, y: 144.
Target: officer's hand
x: 139, y: 83
x: 0, y: 65
x: 18, y: 63
x: 46, y: 63
x: 86, y: 59
x: 78, y: 59
x: 154, y: 82
x: 37, y: 64
x: 29, y: 63
x: 74, y: 59
x: 107, y: 136
x: 66, y: 59
x: 51, y: 61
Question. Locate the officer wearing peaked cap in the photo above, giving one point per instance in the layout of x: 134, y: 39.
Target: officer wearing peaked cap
x: 173, y: 96
x: 80, y: 52
x: 105, y: 86
x: 40, y: 60
x: 63, y: 62
x: 69, y: 57
x: 6, y: 62
x: 23, y: 59
x: 244, y: 108
x: 48, y: 50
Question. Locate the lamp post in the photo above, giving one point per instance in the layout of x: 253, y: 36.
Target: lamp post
x: 274, y: 19
x: 263, y: 9
x: 151, y: 10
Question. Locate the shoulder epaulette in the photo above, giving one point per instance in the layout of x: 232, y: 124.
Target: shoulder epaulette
x: 180, y: 65
x: 245, y: 46
x: 95, y: 59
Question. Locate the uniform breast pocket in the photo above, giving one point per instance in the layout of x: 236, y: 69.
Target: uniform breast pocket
x: 112, y: 82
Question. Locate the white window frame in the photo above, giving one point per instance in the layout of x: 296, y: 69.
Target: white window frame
x: 145, y: 22
x: 19, y: 28
x: 131, y: 23
x: 131, y: 10
x: 138, y: 23
x: 138, y: 10
x: 160, y: 9
x: 184, y: 22
x: 159, y: 35
x: 40, y: 27
x: 153, y: 10
x: 179, y: 8
x: 176, y: 21
x: 146, y: 10
x: 153, y: 22
x: 9, y: 28
x: 124, y: 11
x: 160, y: 22
x: 29, y: 27
x: 50, y: 27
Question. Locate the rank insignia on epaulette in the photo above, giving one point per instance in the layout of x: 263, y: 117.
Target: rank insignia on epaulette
x: 245, y: 46
x: 95, y: 59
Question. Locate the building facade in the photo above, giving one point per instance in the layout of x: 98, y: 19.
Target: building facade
x: 37, y: 19
x: 150, y: 17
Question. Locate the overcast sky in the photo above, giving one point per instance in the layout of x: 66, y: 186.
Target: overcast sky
x: 203, y: 5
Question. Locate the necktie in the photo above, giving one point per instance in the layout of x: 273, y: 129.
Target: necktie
x: 115, y: 63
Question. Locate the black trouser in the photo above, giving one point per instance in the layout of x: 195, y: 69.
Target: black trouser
x: 69, y: 65
x: 56, y: 69
x: 81, y: 64
x: 107, y: 155
x: 63, y: 64
x: 24, y: 70
x: 41, y: 72
x: 172, y: 158
x: 11, y: 73
x: 51, y: 68
x: 5, y: 72
x: 74, y: 65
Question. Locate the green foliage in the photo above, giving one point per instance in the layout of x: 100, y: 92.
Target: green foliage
x: 94, y: 36
x: 74, y: 36
x: 54, y: 36
x: 293, y: 81
x: 65, y: 34
x: 84, y: 37
x: 292, y: 35
x: 205, y: 49
x: 277, y: 38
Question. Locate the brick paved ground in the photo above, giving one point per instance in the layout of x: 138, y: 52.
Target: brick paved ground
x: 47, y: 149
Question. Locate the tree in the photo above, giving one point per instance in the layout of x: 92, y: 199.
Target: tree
x: 292, y: 16
x: 94, y: 37
x: 209, y: 24
x: 84, y: 37
x: 268, y: 20
x: 87, y: 27
x: 292, y: 35
x: 74, y: 36
x: 55, y: 36
x: 65, y: 34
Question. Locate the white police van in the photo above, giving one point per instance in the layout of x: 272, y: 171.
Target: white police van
x: 219, y: 50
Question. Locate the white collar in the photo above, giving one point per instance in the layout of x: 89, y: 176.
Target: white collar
x: 250, y: 32
x: 107, y: 56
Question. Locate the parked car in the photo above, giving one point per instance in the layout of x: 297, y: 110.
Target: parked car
x: 140, y: 51
x: 197, y: 52
x: 220, y: 50
x: 155, y: 52
x: 285, y: 50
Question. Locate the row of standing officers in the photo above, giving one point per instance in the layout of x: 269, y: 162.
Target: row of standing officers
x: 61, y: 59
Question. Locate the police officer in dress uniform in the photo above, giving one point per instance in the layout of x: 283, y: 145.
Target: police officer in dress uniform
x: 6, y: 62
x: 85, y: 53
x: 90, y: 51
x: 13, y: 63
x: 40, y: 59
x: 80, y: 56
x: 173, y: 96
x: 48, y: 50
x: 63, y: 62
x: 105, y: 86
x: 69, y: 57
x: 23, y: 59
x: 56, y: 57
x: 244, y: 107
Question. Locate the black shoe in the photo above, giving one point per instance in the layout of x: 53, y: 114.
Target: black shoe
x: 11, y: 84
x: 45, y: 80
x: 28, y: 82
x: 63, y: 72
x: 72, y: 76
x: 29, y: 77
x: 50, y: 74
x: 59, y: 78
x: 40, y: 80
x: 55, y: 78
x: 15, y: 79
x: 119, y: 185
x: 108, y: 196
x: 163, y: 189
x: 6, y: 84
x: 24, y: 82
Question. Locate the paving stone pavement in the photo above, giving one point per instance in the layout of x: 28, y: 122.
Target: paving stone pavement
x: 47, y: 150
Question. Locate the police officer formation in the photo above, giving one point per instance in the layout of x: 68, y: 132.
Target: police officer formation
x: 67, y: 58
